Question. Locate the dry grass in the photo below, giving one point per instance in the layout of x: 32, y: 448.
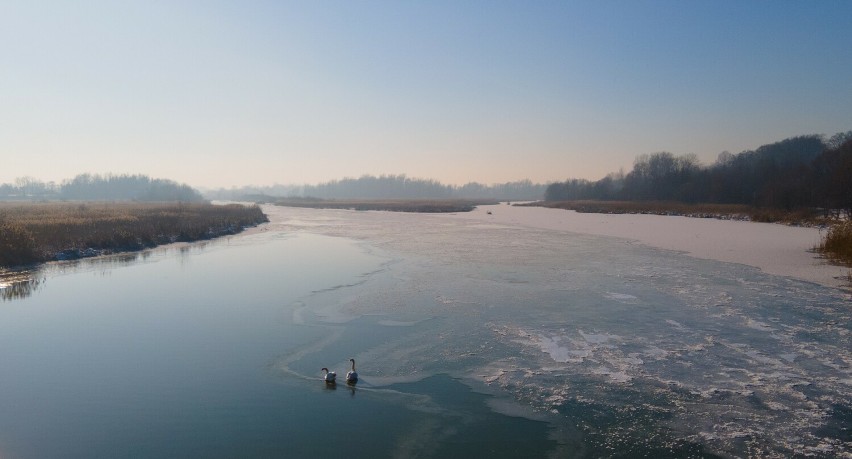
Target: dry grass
x: 36, y: 232
x: 393, y: 205
x: 837, y: 243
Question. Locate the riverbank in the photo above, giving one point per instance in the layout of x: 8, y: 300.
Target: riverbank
x: 39, y: 232
x: 390, y: 205
x: 775, y: 249
x: 742, y: 212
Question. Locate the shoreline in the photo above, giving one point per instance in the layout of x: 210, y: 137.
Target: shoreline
x: 773, y: 248
x: 426, y: 206
x: 37, y: 233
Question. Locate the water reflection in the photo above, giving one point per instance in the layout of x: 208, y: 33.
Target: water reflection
x: 23, y: 283
x: 18, y: 285
x: 350, y: 386
x: 114, y: 260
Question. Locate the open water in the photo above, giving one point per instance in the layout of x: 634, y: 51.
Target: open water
x: 471, y: 340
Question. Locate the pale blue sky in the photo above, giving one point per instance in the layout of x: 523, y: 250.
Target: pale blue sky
x: 215, y: 93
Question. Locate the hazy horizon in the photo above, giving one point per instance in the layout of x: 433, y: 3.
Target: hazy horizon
x: 219, y: 95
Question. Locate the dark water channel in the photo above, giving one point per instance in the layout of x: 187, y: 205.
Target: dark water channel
x: 173, y: 354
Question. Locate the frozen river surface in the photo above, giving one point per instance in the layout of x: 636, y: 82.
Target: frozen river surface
x: 472, y: 338
x: 608, y: 340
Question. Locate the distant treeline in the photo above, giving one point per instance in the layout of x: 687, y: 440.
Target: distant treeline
x: 389, y: 187
x: 805, y: 171
x: 88, y: 187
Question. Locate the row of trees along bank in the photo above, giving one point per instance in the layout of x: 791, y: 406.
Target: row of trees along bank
x: 805, y: 171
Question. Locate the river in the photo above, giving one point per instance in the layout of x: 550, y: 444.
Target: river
x: 471, y: 339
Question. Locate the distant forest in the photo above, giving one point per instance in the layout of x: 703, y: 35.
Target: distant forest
x: 805, y: 171
x: 388, y: 187
x: 88, y: 187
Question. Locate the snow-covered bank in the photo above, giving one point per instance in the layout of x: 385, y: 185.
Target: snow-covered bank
x: 775, y: 249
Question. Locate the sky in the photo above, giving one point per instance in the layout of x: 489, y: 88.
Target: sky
x: 232, y: 93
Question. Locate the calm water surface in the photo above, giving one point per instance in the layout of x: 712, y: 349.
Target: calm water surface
x: 174, y: 354
x: 471, y: 340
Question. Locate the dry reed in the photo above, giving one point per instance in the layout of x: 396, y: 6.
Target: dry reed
x: 837, y: 243
x: 36, y: 232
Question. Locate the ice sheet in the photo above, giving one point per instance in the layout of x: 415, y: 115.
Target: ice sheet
x: 639, y: 342
x: 774, y: 248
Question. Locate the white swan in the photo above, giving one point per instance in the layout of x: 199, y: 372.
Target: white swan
x: 329, y: 376
x: 352, y: 376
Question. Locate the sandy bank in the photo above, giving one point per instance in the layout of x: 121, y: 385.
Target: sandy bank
x: 775, y: 249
